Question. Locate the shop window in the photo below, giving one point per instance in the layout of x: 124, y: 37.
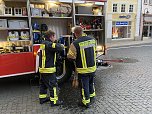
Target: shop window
x: 114, y: 7
x: 123, y: 8
x: 131, y: 8
x: 121, y: 30
x: 145, y: 31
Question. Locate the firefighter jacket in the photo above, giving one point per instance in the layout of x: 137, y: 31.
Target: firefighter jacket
x: 83, y: 51
x: 47, y: 55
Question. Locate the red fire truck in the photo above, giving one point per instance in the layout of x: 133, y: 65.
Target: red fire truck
x: 18, y: 51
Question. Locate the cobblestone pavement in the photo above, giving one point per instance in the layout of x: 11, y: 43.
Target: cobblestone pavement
x: 124, y: 88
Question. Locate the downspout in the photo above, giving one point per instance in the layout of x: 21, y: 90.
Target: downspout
x: 138, y: 20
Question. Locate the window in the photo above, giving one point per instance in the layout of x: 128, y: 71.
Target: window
x: 121, y: 29
x: 123, y: 7
x: 150, y: 2
x: 131, y: 8
x: 114, y: 7
x: 145, y: 1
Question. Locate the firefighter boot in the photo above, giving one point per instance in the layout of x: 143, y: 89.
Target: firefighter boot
x: 44, y: 100
x: 83, y: 105
x: 58, y: 102
x: 92, y: 99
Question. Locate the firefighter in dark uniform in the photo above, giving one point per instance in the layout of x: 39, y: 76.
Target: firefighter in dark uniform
x: 83, y: 52
x: 47, y: 69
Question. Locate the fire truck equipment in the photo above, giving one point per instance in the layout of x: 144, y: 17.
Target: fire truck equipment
x: 36, y: 33
x: 13, y: 35
x: 25, y: 35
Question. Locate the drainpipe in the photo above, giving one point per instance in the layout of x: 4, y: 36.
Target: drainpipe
x: 138, y: 20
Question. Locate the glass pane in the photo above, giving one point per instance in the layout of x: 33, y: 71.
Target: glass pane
x: 145, y: 31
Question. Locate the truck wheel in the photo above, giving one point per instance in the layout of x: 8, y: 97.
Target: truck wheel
x: 64, y: 71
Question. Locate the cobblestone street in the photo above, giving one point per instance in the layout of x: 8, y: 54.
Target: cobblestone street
x: 124, y: 88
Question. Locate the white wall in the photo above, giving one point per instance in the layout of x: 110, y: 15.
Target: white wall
x: 144, y: 6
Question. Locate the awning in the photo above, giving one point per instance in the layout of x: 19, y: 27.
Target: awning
x: 147, y: 18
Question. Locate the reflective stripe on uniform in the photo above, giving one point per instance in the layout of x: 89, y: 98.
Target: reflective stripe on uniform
x: 54, y: 58
x: 43, y: 69
x: 83, y: 46
x: 93, y: 94
x: 94, y: 55
x: 83, y: 58
x: 41, y: 96
x: 86, y: 70
x: 87, y: 44
x: 42, y: 47
x: 55, y: 96
x: 47, y: 70
x: 53, y: 45
x: 84, y: 101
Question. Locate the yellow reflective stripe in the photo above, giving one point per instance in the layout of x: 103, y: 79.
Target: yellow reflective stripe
x: 53, y: 45
x: 94, y: 48
x: 93, y: 94
x: 42, y: 47
x: 35, y: 31
x: 47, y: 70
x: 84, y: 34
x: 54, y: 58
x: 87, y: 43
x: 85, y: 102
x: 83, y: 97
x: 83, y: 59
x: 55, y: 96
x: 41, y: 96
x: 24, y: 36
x: 43, y: 58
x: 86, y: 70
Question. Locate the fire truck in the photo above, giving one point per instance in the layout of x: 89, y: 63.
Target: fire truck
x: 24, y: 22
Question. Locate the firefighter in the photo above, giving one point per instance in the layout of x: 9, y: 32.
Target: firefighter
x: 82, y: 51
x: 47, y: 69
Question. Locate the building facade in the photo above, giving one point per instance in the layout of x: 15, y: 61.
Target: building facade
x: 121, y: 20
x: 146, y: 18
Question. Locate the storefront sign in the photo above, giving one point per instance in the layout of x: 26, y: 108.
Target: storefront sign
x: 125, y: 16
x: 121, y: 23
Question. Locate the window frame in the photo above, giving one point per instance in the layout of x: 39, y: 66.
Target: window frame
x: 145, y: 2
x: 131, y: 9
x: 123, y: 7
x: 150, y: 2
x: 114, y: 7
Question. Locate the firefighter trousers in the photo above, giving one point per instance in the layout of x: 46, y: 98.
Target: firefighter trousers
x: 88, y: 89
x: 48, y: 81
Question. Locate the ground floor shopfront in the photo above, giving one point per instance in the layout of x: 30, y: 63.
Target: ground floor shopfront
x: 147, y: 30
x: 147, y: 26
x: 121, y: 27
